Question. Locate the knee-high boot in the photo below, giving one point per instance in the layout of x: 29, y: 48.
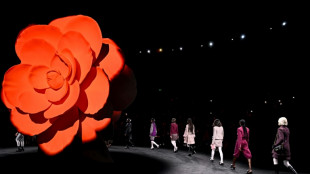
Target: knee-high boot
x: 19, y: 149
x: 292, y: 169
x: 276, y: 169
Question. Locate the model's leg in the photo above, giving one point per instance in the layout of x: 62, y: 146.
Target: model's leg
x: 250, y: 166
x: 212, y: 154
x: 221, y: 155
x: 288, y: 165
x: 275, y: 165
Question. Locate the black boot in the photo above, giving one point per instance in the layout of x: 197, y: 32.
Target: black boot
x: 22, y: 148
x: 276, y: 169
x: 19, y: 149
x: 292, y: 169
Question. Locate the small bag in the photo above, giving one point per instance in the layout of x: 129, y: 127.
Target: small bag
x: 279, y: 148
x: 212, y: 146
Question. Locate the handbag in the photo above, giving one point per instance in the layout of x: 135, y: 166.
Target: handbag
x: 212, y: 146
x: 279, y: 148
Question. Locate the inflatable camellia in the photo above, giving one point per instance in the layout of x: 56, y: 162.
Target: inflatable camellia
x: 70, y: 81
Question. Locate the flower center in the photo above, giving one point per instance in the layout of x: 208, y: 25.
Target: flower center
x: 54, y: 79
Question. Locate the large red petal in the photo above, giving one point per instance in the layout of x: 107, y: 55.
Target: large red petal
x: 5, y: 100
x: 56, y: 95
x: 85, y: 25
x: 37, y: 52
x: 113, y: 62
x: 81, y: 51
x: 90, y: 126
x: 94, y: 91
x: 61, y: 133
x: 20, y: 93
x: 50, y: 34
x: 69, y: 59
x: 123, y: 89
x: 37, y: 77
x: 29, y: 124
x: 60, y: 107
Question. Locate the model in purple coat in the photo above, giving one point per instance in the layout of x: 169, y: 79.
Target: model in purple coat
x: 153, y: 133
x: 282, y: 138
x: 242, y: 145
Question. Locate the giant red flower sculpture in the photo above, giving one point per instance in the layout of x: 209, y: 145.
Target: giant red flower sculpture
x: 70, y: 81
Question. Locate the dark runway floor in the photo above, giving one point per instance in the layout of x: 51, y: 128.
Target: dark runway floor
x: 132, y: 160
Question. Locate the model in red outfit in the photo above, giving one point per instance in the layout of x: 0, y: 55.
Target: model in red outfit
x: 174, y: 134
x: 242, y: 145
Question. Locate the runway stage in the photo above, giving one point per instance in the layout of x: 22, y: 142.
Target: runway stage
x: 132, y: 160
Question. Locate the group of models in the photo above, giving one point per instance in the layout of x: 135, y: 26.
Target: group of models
x: 241, y: 145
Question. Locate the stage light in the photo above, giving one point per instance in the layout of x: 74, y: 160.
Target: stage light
x: 242, y: 36
x: 210, y: 44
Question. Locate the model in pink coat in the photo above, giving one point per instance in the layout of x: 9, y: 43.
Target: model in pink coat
x: 217, y: 140
x: 242, y: 145
x: 189, y: 136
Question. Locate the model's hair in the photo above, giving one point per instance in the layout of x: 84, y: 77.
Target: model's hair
x: 153, y: 119
x: 190, y: 125
x: 173, y: 120
x: 217, y: 122
x: 282, y: 121
x: 128, y: 120
x: 242, y: 123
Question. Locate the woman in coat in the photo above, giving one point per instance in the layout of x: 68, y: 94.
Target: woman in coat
x: 282, y: 138
x: 189, y: 136
x: 242, y: 145
x: 153, y: 133
x: 174, y: 134
x: 217, y: 140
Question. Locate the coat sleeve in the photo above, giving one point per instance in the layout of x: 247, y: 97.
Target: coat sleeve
x: 223, y: 133
x: 280, y: 137
x: 239, y: 137
x: 151, y: 129
x: 213, y: 136
x: 185, y: 131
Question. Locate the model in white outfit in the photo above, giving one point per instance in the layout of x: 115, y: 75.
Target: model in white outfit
x: 19, y: 141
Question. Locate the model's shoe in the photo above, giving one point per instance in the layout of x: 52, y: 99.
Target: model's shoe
x: 126, y: 147
x: 292, y: 169
x: 249, y: 172
x: 177, y: 149
x: 221, y: 163
x: 19, y: 149
x: 212, y: 160
x: 189, y: 154
x: 194, y: 152
x: 152, y: 148
x: 232, y: 167
x: 22, y: 148
x: 276, y: 169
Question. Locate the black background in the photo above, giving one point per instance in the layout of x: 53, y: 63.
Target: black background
x: 237, y: 75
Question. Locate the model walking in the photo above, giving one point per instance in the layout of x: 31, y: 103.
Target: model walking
x: 128, y: 133
x: 242, y: 145
x: 282, y: 138
x: 217, y: 140
x: 174, y: 134
x: 153, y: 133
x: 189, y: 136
x: 20, y: 141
